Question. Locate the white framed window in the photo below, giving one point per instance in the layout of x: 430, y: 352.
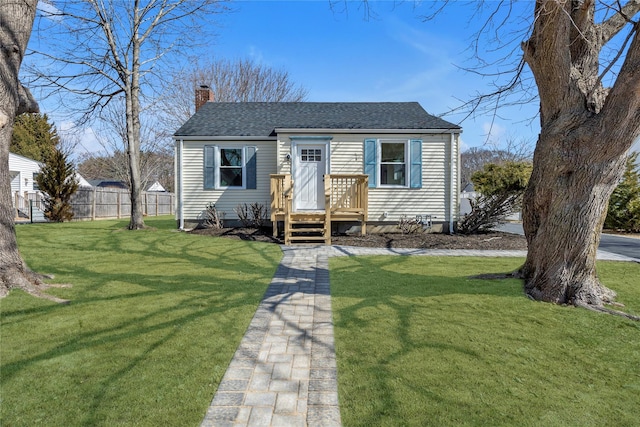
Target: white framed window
x: 394, y: 163
x: 311, y: 155
x: 229, y: 167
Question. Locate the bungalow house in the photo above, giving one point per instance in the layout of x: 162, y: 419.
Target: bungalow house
x: 319, y: 166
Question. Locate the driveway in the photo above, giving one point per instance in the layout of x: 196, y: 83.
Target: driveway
x: 620, y: 245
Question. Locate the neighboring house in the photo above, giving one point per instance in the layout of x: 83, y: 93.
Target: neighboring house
x: 156, y: 187
x: 332, y: 164
x: 81, y: 181
x: 108, y: 183
x: 23, y: 171
x: 25, y: 196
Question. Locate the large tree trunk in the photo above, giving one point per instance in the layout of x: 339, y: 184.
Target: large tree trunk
x: 133, y: 126
x: 564, y: 208
x: 586, y: 131
x: 16, y: 21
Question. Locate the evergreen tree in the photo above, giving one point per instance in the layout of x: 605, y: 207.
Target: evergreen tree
x: 58, y: 182
x: 624, y: 204
x: 33, y: 136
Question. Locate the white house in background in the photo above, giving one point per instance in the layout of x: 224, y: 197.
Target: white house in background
x: 23, y: 171
x: 324, y: 166
x: 81, y: 181
x: 157, y: 187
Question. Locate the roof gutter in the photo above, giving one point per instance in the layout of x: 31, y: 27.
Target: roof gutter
x: 223, y: 138
x: 273, y: 136
x: 367, y: 131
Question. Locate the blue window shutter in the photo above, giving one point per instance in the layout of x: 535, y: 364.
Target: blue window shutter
x: 415, y: 154
x: 251, y: 182
x: 209, y: 166
x: 370, y: 161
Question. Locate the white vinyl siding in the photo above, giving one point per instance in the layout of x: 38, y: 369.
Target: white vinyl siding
x: 196, y: 197
x: 22, y: 171
x: 346, y: 157
x: 433, y: 198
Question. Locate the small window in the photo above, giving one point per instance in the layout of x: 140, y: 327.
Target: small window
x: 393, y: 162
x: 393, y: 165
x: 231, y: 163
x: 311, y: 155
x: 229, y: 167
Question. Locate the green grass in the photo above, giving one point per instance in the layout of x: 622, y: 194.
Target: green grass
x: 418, y: 343
x: 154, y: 319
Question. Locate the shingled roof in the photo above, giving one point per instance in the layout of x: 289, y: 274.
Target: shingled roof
x: 261, y: 119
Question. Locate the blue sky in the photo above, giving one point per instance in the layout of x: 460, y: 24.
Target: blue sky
x: 393, y: 56
x: 340, y: 55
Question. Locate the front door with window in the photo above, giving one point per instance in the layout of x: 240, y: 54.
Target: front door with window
x: 309, y: 170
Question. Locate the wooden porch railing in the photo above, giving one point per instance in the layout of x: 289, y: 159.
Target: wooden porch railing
x: 346, y: 199
x: 281, y: 196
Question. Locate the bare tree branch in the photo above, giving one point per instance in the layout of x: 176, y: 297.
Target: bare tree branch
x: 623, y: 16
x: 231, y: 81
x: 119, y: 44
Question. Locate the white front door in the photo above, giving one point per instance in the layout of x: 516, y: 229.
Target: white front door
x: 308, y: 179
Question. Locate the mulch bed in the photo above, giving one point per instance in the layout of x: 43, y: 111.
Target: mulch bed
x: 493, y: 241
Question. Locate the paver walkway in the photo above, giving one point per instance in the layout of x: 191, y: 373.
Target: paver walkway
x: 284, y: 371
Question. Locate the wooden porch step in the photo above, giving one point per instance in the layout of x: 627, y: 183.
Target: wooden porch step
x: 307, y: 238
x: 306, y: 222
x: 306, y: 230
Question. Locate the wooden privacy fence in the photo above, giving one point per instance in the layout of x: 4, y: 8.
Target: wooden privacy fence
x: 103, y: 203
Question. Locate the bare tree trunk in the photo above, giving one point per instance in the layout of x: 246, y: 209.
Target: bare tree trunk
x: 133, y: 127
x: 564, y: 209
x: 11, y: 263
x: 136, y: 221
x: 16, y: 21
x: 116, y: 46
x: 586, y: 131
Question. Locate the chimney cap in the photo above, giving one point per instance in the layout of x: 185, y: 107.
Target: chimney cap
x: 204, y: 87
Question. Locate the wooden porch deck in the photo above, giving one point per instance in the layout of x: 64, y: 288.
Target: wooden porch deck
x: 346, y: 198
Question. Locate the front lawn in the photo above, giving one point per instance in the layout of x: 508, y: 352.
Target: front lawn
x: 154, y: 319
x: 419, y: 343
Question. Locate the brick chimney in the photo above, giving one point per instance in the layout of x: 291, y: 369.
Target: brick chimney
x: 204, y: 94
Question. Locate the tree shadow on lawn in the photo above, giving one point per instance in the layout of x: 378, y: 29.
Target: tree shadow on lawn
x: 392, y: 294
x: 149, y: 290
x: 389, y: 275
x: 411, y: 330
